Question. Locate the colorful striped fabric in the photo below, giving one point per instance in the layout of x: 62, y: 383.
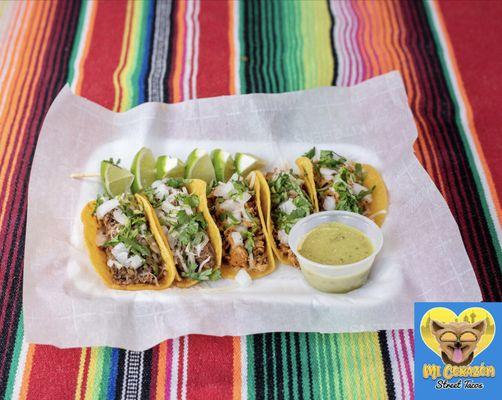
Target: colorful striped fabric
x: 121, y: 54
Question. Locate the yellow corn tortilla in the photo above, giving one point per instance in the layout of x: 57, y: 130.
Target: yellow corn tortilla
x: 306, y: 168
x: 380, y: 197
x: 198, y: 187
x: 377, y: 210
x: 98, y: 256
x: 228, y: 271
x: 266, y: 206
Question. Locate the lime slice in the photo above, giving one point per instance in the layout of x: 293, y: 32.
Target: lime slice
x: 199, y: 166
x: 245, y: 163
x: 116, y: 180
x: 143, y: 168
x: 170, y: 167
x: 223, y: 165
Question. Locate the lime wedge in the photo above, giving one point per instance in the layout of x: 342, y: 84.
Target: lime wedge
x: 116, y: 180
x: 223, y: 165
x: 170, y: 167
x: 199, y: 166
x: 143, y: 168
x: 245, y: 163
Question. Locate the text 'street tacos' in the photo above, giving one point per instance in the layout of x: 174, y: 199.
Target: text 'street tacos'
x: 341, y: 184
x: 285, y: 200
x: 192, y: 236
x: 123, y: 244
x: 237, y: 211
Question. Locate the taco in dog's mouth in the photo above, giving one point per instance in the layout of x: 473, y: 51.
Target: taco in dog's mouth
x: 237, y: 210
x: 341, y: 184
x: 286, y: 198
x: 192, y: 236
x: 123, y: 244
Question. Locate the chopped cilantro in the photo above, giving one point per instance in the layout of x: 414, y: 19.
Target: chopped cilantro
x: 209, y: 274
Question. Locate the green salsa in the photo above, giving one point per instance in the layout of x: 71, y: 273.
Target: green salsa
x: 334, y: 243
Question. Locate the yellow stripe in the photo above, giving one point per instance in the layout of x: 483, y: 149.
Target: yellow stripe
x: 80, y: 375
x: 92, y: 385
x: 117, y: 74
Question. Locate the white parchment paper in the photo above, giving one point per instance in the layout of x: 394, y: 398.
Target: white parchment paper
x: 66, y: 304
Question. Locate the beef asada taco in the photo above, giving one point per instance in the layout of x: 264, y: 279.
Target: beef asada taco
x: 124, y: 244
x: 180, y: 206
x: 236, y: 208
x: 286, y: 198
x: 341, y: 184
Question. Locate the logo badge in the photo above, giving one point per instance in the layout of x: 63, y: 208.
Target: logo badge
x: 456, y: 350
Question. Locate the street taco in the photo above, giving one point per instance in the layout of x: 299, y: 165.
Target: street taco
x: 124, y: 245
x: 183, y: 216
x: 236, y: 208
x: 341, y: 184
x: 286, y: 198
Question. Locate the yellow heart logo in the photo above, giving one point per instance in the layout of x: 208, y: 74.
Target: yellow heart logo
x: 468, y: 318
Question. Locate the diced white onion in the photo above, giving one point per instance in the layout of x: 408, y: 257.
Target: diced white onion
x: 236, y: 238
x: 243, y: 278
x: 283, y: 236
x: 120, y: 253
x: 223, y: 189
x: 245, y: 197
x: 120, y: 217
x: 160, y: 189
x: 357, y: 188
x: 106, y: 207
x: 329, y: 203
x: 287, y: 206
x: 230, y: 205
x: 135, y: 261
x: 327, y: 173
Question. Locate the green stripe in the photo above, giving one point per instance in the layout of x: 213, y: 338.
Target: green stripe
x: 285, y: 365
x: 463, y: 135
x: 104, y: 372
x: 294, y: 365
x: 76, y: 41
x: 15, y: 357
x: 250, y: 362
x: 335, y: 355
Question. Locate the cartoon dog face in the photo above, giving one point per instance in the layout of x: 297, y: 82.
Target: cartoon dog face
x: 458, y: 340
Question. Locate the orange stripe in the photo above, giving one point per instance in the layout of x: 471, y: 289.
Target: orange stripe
x: 407, y: 67
x: 237, y: 377
x: 27, y: 372
x: 468, y: 109
x: 178, y: 66
x: 88, y: 35
x: 161, y: 371
x: 231, y: 42
x: 11, y: 30
x: 24, y: 69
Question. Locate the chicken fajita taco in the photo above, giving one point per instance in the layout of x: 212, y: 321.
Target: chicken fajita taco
x: 342, y: 184
x: 180, y: 206
x: 286, y: 198
x: 125, y: 248
x: 236, y: 208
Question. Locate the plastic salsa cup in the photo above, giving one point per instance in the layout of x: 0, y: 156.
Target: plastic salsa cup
x: 336, y: 278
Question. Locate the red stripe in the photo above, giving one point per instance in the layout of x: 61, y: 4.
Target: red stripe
x: 474, y: 45
x: 213, y: 77
x: 153, y: 372
x: 104, y: 52
x: 180, y: 367
x: 210, y: 371
x: 54, y: 373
